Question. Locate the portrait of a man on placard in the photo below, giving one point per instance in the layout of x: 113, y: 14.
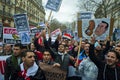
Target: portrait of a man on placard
x: 101, y: 28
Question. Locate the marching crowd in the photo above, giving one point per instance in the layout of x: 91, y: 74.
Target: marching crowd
x: 97, y: 60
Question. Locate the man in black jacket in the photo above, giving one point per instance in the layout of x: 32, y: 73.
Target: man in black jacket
x: 108, y: 70
x: 28, y: 69
x: 13, y: 61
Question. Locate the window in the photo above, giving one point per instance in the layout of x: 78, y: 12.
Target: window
x: 8, y: 1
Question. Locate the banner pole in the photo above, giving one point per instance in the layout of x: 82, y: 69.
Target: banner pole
x: 111, y: 27
x: 49, y: 19
x: 79, y: 49
x: 79, y: 35
x: 49, y: 16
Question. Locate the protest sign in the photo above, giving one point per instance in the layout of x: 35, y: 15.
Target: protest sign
x: 53, y: 5
x: 96, y: 27
x: 2, y: 66
x: 10, y: 35
x: 25, y: 37
x: 56, y: 32
x: 21, y: 22
x: 85, y: 15
x: 53, y: 73
x: 35, y: 30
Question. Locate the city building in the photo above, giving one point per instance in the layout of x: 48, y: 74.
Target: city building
x: 33, y: 8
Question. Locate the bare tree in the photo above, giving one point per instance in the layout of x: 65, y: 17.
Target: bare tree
x: 54, y: 24
x: 87, y: 5
x: 100, y: 7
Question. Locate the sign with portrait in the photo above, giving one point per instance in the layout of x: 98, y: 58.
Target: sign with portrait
x: 53, y: 5
x: 10, y: 35
x: 97, y: 27
x: 21, y: 22
x: 53, y: 73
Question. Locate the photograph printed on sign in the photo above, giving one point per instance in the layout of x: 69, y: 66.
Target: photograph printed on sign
x: 97, y: 27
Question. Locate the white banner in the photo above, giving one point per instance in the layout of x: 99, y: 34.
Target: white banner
x: 2, y: 65
x: 10, y: 35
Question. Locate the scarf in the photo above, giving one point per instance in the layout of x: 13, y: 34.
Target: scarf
x: 62, y: 55
x: 15, y: 61
x: 30, y: 72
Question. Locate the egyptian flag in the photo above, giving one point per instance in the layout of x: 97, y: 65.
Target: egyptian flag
x: 40, y: 39
x: 67, y: 36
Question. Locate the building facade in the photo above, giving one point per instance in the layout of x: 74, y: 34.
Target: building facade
x: 33, y: 8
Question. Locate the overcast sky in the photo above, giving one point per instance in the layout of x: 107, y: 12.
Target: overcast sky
x: 67, y: 11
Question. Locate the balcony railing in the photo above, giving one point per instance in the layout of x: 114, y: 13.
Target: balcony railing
x: 8, y: 14
x: 33, y: 23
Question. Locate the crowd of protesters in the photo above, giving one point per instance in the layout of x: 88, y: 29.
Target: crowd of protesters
x: 97, y: 60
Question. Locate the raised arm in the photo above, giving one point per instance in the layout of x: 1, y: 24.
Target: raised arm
x: 92, y: 53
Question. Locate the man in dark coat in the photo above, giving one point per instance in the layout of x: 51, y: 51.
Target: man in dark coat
x: 28, y: 69
x: 13, y: 61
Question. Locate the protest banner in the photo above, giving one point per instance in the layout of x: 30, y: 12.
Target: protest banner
x: 41, y: 25
x: 52, y: 73
x: 21, y: 22
x: 2, y: 65
x: 53, y: 5
x: 85, y: 15
x: 98, y: 27
x: 10, y: 36
x: 56, y: 32
x: 35, y: 30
